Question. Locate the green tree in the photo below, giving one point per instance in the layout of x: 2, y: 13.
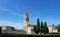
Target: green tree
x: 0, y: 30
x: 45, y: 28
x: 36, y: 28
x: 42, y: 29
x: 58, y: 27
x: 38, y: 24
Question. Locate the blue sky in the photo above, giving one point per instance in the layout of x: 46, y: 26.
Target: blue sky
x: 12, y: 12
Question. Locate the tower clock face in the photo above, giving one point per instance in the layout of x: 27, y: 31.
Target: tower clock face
x: 3, y: 27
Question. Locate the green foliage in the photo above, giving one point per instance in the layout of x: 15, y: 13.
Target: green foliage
x: 42, y: 29
x: 58, y: 27
x: 36, y: 28
x: 0, y: 30
x: 38, y: 25
x: 26, y: 35
x: 45, y: 28
x: 55, y: 33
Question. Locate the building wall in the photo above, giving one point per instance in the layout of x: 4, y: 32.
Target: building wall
x: 52, y: 29
x: 55, y: 30
x: 29, y: 30
x: 8, y: 29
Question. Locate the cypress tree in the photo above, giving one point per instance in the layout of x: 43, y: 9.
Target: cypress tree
x: 45, y: 28
x: 38, y: 24
x: 36, y: 28
x: 42, y: 27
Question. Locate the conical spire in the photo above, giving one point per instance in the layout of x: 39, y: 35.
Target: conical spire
x: 26, y: 13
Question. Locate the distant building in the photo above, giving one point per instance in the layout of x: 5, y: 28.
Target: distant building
x: 52, y: 29
x: 7, y: 29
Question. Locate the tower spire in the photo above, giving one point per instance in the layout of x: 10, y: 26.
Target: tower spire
x: 26, y: 20
x: 26, y: 17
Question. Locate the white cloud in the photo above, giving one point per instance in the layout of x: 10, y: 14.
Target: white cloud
x: 17, y: 25
x: 10, y: 11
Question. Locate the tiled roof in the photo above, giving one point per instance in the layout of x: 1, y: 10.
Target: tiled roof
x: 30, y: 25
x: 22, y: 31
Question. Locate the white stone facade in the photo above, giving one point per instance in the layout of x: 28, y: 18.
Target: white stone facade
x: 27, y: 27
x: 29, y: 30
x: 52, y: 29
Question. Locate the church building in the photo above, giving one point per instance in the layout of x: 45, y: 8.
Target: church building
x: 27, y: 27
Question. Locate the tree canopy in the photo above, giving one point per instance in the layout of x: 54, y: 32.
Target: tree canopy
x: 40, y: 27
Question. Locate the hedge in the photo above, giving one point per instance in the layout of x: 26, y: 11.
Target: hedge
x: 25, y: 35
x: 55, y: 33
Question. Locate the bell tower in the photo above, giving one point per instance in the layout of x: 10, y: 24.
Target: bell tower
x: 26, y: 21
